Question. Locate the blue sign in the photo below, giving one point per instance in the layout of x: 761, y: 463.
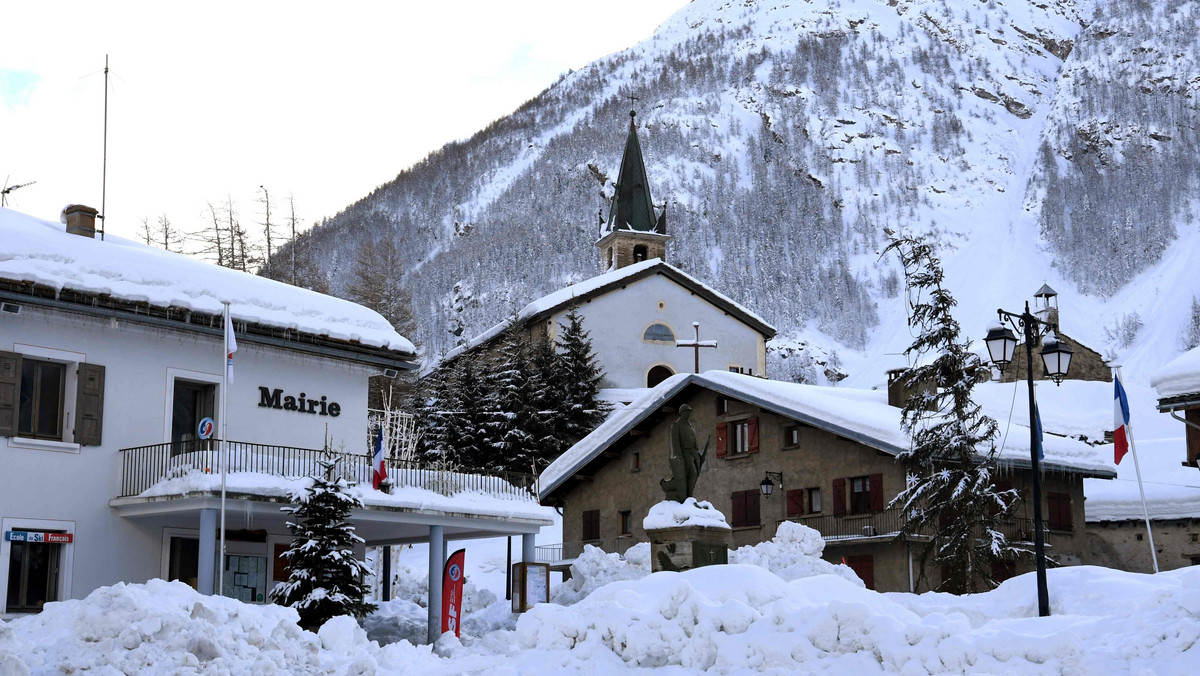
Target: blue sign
x: 205, y: 429
x: 32, y: 536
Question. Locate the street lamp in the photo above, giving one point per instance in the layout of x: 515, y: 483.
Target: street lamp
x: 767, y: 486
x: 1056, y: 358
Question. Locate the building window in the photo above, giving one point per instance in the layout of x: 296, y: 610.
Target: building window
x: 1195, y: 537
x: 635, y: 462
x: 43, y: 385
x: 659, y: 333
x: 722, y: 405
x: 658, y: 374
x: 1059, y: 508
x: 814, y: 500
x: 183, y: 561
x: 791, y: 436
x: 735, y: 369
x: 591, y: 525
x: 1139, y: 537
x: 191, y: 402
x: 625, y: 521
x: 860, y: 495
x: 739, y: 437
x: 33, y: 569
x: 1196, y: 560
x: 745, y: 509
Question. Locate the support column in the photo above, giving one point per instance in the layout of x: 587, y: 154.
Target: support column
x: 385, y: 591
x: 527, y: 550
x: 436, y: 561
x: 207, y: 564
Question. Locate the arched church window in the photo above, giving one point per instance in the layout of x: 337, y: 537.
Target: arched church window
x: 659, y: 333
x: 658, y: 374
x: 639, y: 253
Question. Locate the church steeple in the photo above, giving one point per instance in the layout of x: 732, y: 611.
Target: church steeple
x: 633, y: 233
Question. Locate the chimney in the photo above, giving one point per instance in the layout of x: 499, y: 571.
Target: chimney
x: 80, y: 220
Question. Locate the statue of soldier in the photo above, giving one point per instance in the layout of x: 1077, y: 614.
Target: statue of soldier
x: 686, y: 458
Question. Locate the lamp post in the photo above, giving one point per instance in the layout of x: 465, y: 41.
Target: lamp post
x: 1056, y: 357
x: 767, y: 486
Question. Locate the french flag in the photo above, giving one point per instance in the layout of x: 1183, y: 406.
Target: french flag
x: 1121, y: 421
x: 378, y: 467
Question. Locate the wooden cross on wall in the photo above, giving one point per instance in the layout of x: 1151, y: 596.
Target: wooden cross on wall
x: 696, y: 344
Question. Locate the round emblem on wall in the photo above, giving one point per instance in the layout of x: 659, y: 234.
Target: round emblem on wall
x: 455, y: 572
x: 205, y: 429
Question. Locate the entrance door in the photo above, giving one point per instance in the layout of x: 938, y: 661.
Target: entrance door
x: 192, y: 403
x: 32, y: 576
x: 183, y: 562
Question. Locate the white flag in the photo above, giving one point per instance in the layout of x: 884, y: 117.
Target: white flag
x: 231, y: 345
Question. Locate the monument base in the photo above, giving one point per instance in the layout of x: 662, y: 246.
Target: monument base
x: 687, y: 547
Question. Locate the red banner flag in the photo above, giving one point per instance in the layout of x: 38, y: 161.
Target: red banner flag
x: 452, y: 591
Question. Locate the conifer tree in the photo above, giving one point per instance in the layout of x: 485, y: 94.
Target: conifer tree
x: 325, y: 579
x: 952, y: 458
x: 513, y: 424
x: 581, y: 375
x: 549, y: 426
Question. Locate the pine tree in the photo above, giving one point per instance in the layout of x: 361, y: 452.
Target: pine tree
x: 325, y: 578
x: 547, y: 385
x: 581, y: 409
x: 952, y: 458
x: 513, y: 418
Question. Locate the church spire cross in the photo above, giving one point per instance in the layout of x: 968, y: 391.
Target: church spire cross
x: 696, y: 344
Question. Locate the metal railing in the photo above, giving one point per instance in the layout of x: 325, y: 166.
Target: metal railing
x: 144, y: 466
x: 569, y: 551
x: 889, y: 523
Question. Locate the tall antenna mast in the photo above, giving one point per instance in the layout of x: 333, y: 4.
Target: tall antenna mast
x: 104, y: 170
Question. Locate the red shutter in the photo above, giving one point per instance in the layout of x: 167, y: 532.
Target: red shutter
x: 752, y: 434
x: 795, y: 502
x: 739, y: 510
x: 876, y: 492
x: 839, y: 497
x: 753, y: 500
x: 722, y: 433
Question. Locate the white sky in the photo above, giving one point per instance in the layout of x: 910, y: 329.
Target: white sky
x: 326, y: 101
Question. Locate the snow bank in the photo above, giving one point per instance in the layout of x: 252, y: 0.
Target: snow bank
x: 794, y: 553
x: 43, y: 253
x: 1179, y: 376
x: 671, y: 514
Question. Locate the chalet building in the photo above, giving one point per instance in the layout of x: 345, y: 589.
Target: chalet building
x: 1118, y: 529
x: 1086, y: 363
x: 640, y: 306
x: 111, y: 372
x: 828, y: 453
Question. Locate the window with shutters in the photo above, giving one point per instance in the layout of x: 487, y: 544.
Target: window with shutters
x: 591, y: 525
x: 745, y: 509
x: 626, y: 521
x: 1059, y: 508
x: 860, y: 495
x: 739, y: 438
x: 814, y: 500
x: 43, y: 391
x: 795, y: 502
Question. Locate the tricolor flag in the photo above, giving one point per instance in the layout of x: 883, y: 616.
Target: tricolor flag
x: 231, y: 344
x: 379, y: 469
x: 1120, y: 422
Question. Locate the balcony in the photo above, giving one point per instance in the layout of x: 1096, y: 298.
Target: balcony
x: 196, y: 463
x: 886, y: 525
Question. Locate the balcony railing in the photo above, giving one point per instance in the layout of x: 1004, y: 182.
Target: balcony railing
x: 145, y: 466
x: 569, y: 551
x: 889, y: 523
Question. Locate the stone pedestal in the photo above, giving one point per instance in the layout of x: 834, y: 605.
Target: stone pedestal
x: 687, y: 547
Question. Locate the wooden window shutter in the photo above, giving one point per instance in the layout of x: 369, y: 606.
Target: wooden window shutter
x: 752, y: 497
x: 876, y: 492
x: 752, y: 434
x: 89, y: 405
x: 839, y: 497
x: 795, y: 502
x: 10, y: 392
x: 722, y: 434
x: 739, y: 509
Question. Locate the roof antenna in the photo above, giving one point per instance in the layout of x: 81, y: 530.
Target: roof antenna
x: 104, y: 169
x: 9, y: 188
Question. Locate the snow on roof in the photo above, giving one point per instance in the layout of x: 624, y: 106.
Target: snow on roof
x: 565, y: 296
x: 42, y: 252
x: 1179, y: 376
x: 861, y: 415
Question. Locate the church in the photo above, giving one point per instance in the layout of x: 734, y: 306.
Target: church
x: 647, y: 319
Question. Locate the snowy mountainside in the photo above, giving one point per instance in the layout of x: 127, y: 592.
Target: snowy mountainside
x: 783, y: 137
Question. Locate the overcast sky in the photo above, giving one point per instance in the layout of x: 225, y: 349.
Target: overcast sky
x: 326, y: 101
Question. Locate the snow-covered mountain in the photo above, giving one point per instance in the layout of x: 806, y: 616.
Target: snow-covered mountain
x: 1042, y: 140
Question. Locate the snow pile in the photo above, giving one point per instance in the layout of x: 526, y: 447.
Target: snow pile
x: 406, y: 617
x: 595, y: 568
x: 690, y: 512
x: 1179, y: 376
x: 397, y: 620
x: 794, y: 553
x: 744, y: 618
x: 43, y: 253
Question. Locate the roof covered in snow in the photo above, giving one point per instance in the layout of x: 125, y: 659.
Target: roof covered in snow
x: 859, y: 415
x: 1179, y: 377
x: 602, y: 284
x: 40, y: 254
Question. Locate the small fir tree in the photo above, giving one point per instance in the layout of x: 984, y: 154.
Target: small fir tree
x: 325, y: 579
x: 950, y: 463
x: 581, y: 407
x: 514, y: 418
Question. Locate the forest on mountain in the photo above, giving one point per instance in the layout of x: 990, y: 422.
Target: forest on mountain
x: 783, y: 138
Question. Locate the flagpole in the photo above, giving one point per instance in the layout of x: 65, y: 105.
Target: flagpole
x: 224, y: 445
x: 1137, y: 468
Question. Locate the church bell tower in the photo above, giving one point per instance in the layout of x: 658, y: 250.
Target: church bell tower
x: 633, y: 233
